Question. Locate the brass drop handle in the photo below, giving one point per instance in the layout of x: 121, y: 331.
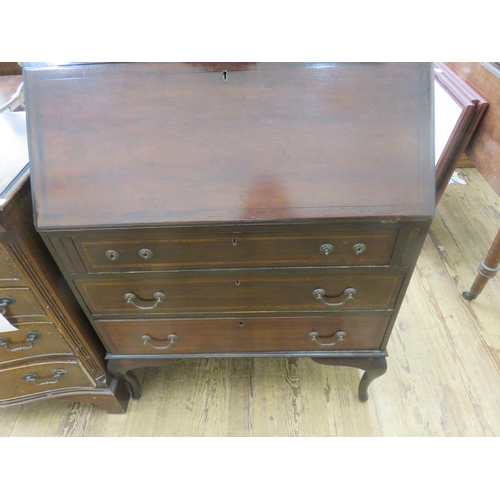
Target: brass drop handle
x: 340, y: 337
x: 349, y: 293
x: 158, y: 296
x: 30, y: 338
x: 56, y: 375
x: 4, y: 303
x: 146, y: 340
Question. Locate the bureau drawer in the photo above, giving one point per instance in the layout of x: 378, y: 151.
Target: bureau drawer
x: 31, y: 340
x: 182, y: 336
x: 241, y: 291
x: 38, y: 378
x: 135, y: 251
x: 20, y: 303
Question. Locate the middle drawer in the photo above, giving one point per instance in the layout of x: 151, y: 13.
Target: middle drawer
x: 249, y: 291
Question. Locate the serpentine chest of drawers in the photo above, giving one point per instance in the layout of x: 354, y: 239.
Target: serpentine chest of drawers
x: 234, y: 209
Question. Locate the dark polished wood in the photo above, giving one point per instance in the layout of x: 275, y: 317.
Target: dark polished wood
x: 224, y: 209
x: 152, y: 250
x: 176, y: 143
x: 247, y: 291
x: 244, y: 333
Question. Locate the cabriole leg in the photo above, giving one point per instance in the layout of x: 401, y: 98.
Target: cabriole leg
x: 374, y: 366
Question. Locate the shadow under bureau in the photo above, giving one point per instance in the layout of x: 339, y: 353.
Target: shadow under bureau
x: 234, y: 209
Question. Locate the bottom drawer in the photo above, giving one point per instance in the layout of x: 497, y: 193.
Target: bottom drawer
x: 191, y: 336
x: 37, y: 378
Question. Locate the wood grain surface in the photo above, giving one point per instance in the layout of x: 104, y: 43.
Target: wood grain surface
x: 275, y: 141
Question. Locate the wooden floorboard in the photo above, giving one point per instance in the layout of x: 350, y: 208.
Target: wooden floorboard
x: 443, y: 375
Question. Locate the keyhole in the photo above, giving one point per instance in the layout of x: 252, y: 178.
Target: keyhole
x: 235, y: 241
x: 224, y: 75
x: 237, y: 282
x: 241, y: 324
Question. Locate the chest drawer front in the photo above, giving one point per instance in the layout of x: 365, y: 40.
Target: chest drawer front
x: 21, y: 303
x: 137, y: 252
x: 7, y: 269
x: 240, y: 291
x: 31, y: 340
x: 243, y: 335
x: 39, y: 378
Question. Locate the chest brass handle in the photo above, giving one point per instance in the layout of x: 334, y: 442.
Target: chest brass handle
x: 349, y: 293
x: 359, y: 248
x: 4, y: 303
x: 326, y: 249
x: 56, y: 375
x: 340, y: 337
x: 30, y: 338
x: 146, y: 340
x: 158, y: 296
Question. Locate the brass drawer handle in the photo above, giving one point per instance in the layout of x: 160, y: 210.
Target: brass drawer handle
x: 145, y: 254
x: 30, y: 338
x: 158, y: 296
x: 112, y: 255
x: 358, y: 248
x: 349, y: 293
x: 6, y: 302
x: 146, y: 340
x: 340, y: 337
x: 56, y: 375
x: 326, y: 249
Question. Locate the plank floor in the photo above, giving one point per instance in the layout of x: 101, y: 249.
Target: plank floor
x: 443, y: 377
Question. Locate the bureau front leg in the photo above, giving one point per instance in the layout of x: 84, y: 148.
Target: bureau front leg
x: 120, y: 369
x: 374, y: 366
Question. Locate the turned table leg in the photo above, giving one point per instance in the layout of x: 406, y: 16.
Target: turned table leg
x: 374, y: 366
x: 488, y: 268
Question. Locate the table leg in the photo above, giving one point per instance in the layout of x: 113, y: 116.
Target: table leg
x: 487, y: 269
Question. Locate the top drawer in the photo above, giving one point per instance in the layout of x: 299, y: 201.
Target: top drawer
x: 138, y: 251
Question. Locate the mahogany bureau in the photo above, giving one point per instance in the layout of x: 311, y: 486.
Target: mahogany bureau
x: 234, y: 209
x: 48, y: 348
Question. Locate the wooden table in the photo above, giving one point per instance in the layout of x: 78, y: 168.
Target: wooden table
x: 484, y: 152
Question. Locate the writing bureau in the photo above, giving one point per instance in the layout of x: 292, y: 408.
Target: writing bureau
x: 234, y: 209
